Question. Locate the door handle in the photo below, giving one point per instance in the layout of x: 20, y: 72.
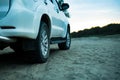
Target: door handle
x: 57, y: 10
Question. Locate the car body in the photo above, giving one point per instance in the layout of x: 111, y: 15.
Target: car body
x: 21, y: 20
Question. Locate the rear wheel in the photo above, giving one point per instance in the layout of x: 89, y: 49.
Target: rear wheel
x: 42, y: 44
x: 65, y: 45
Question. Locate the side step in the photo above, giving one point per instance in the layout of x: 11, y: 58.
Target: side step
x: 57, y: 40
x: 7, y: 39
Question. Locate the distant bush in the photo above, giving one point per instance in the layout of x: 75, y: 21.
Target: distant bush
x: 106, y: 30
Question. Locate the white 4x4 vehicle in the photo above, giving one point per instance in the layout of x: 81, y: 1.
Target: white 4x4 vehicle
x: 34, y: 25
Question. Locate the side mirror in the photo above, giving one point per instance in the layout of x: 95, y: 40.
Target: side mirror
x: 65, y: 6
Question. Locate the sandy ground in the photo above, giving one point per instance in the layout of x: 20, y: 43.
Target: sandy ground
x: 90, y: 58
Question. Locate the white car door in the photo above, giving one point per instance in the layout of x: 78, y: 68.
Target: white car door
x: 58, y: 24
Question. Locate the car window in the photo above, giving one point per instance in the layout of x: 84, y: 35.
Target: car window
x: 55, y: 3
x: 51, y: 1
x: 59, y: 3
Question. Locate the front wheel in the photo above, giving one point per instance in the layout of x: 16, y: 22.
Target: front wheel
x: 65, y: 45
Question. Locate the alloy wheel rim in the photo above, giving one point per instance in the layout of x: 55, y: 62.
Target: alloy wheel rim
x: 44, y: 43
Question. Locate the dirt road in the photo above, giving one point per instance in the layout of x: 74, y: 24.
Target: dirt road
x: 90, y: 58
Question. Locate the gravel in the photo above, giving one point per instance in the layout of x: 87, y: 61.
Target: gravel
x: 90, y: 58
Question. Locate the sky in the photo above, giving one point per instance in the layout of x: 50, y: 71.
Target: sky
x: 91, y: 13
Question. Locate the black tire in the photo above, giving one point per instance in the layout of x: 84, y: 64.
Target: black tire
x: 42, y: 44
x: 65, y: 45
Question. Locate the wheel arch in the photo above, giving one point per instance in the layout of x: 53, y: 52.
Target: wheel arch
x: 45, y: 18
x: 68, y: 27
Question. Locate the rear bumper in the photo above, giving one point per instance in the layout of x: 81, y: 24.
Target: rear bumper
x: 18, y: 22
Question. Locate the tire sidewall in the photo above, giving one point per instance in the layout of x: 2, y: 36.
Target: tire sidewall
x: 68, y: 37
x: 41, y: 57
